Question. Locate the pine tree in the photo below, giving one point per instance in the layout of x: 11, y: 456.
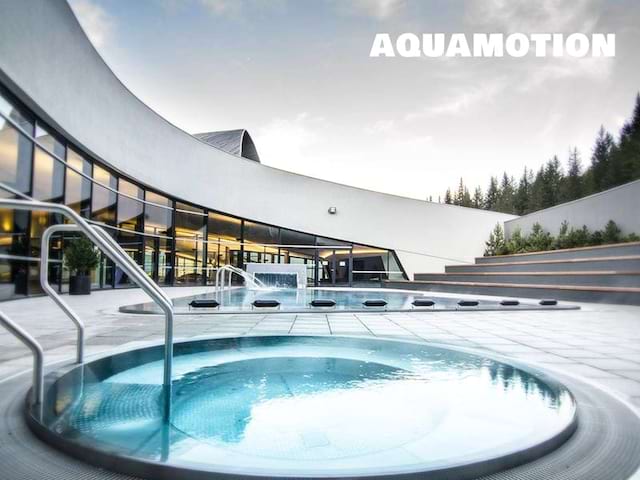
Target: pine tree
x: 447, y: 197
x: 506, y: 195
x: 600, y: 162
x: 466, y: 198
x: 478, y: 200
x: 491, y: 198
x: 459, y: 197
x: 523, y: 192
x: 626, y: 158
x: 496, y: 244
x: 572, y: 184
x: 552, y: 179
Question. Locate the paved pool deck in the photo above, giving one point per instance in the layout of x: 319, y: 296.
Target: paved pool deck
x: 599, y: 343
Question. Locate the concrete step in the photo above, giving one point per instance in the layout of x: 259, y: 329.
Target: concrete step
x: 616, y: 250
x: 590, y: 278
x: 576, y: 293
x: 629, y: 263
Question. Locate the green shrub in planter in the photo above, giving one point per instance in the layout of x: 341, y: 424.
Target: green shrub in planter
x: 80, y: 257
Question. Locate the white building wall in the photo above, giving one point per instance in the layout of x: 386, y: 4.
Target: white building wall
x: 620, y: 204
x: 49, y: 63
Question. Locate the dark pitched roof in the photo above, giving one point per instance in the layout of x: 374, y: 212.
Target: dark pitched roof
x: 235, y: 142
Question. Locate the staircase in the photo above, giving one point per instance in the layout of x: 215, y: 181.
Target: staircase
x: 605, y: 274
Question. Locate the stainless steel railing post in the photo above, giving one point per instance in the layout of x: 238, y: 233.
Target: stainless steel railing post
x: 110, y: 247
x: 50, y: 291
x: 37, y: 390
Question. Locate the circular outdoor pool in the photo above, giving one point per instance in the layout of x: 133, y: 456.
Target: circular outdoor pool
x: 307, y: 406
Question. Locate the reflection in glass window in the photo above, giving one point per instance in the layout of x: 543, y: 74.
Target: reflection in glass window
x: 370, y: 264
x: 49, y: 142
x: 294, y: 251
x: 103, y: 200
x: 189, y: 238
x: 130, y: 211
x: 78, y: 188
x: 15, y: 159
x: 223, y: 248
x: 19, y: 117
x: 48, y: 177
x: 158, y: 215
x: 259, y: 241
x: 158, y: 260
x: 13, y: 241
x: 333, y: 261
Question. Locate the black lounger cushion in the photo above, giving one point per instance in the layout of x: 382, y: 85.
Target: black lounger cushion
x: 548, y: 302
x: 375, y: 303
x: 266, y: 303
x: 204, y: 303
x: 509, y: 303
x: 323, y: 302
x: 468, y: 303
x: 423, y: 302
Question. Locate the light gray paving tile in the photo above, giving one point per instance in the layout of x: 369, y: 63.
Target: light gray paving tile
x: 611, y: 363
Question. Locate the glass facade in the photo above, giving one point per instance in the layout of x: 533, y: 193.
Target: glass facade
x: 175, y: 242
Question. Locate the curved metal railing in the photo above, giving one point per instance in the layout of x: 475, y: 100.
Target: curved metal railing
x: 221, y: 274
x: 112, y: 250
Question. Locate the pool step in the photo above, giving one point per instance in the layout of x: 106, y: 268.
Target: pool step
x: 614, y: 250
x: 588, y: 278
x: 577, y: 293
x: 625, y: 263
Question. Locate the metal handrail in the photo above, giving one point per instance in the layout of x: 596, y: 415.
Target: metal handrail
x: 32, y: 344
x: 220, y: 274
x: 117, y: 255
x: 50, y: 291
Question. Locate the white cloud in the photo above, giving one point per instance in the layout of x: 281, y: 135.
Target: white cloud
x: 461, y: 101
x: 535, y: 16
x: 96, y: 22
x: 286, y: 141
x: 381, y: 126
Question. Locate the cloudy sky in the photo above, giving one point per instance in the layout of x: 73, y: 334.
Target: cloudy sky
x: 297, y: 74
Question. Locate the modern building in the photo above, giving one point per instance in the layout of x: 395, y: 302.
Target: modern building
x: 182, y: 205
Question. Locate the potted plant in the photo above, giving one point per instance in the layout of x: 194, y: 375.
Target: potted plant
x: 80, y: 257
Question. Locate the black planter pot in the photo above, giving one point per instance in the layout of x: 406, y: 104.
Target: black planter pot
x: 79, y: 285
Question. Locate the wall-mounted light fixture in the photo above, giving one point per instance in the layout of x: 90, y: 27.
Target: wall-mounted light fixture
x: 332, y: 210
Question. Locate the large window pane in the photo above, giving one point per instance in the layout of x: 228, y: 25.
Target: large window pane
x: 49, y: 142
x: 223, y: 235
x: 189, y: 238
x: 370, y: 264
x: 299, y: 248
x: 158, y: 221
x: 132, y: 243
x: 158, y: 215
x: 78, y: 188
x: 14, y: 242
x: 259, y: 240
x: 12, y: 112
x: 15, y: 159
x: 157, y: 259
x: 333, y: 261
x: 48, y: 177
x: 130, y: 211
x: 103, y: 200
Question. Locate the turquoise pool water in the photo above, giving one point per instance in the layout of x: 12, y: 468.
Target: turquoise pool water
x: 310, y: 405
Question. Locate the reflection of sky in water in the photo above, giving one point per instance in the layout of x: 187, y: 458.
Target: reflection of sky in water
x: 293, y: 299
x: 374, y: 406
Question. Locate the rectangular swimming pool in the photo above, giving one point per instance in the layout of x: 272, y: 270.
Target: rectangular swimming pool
x: 292, y: 300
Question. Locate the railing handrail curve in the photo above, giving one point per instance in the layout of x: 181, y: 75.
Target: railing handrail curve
x: 115, y: 253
